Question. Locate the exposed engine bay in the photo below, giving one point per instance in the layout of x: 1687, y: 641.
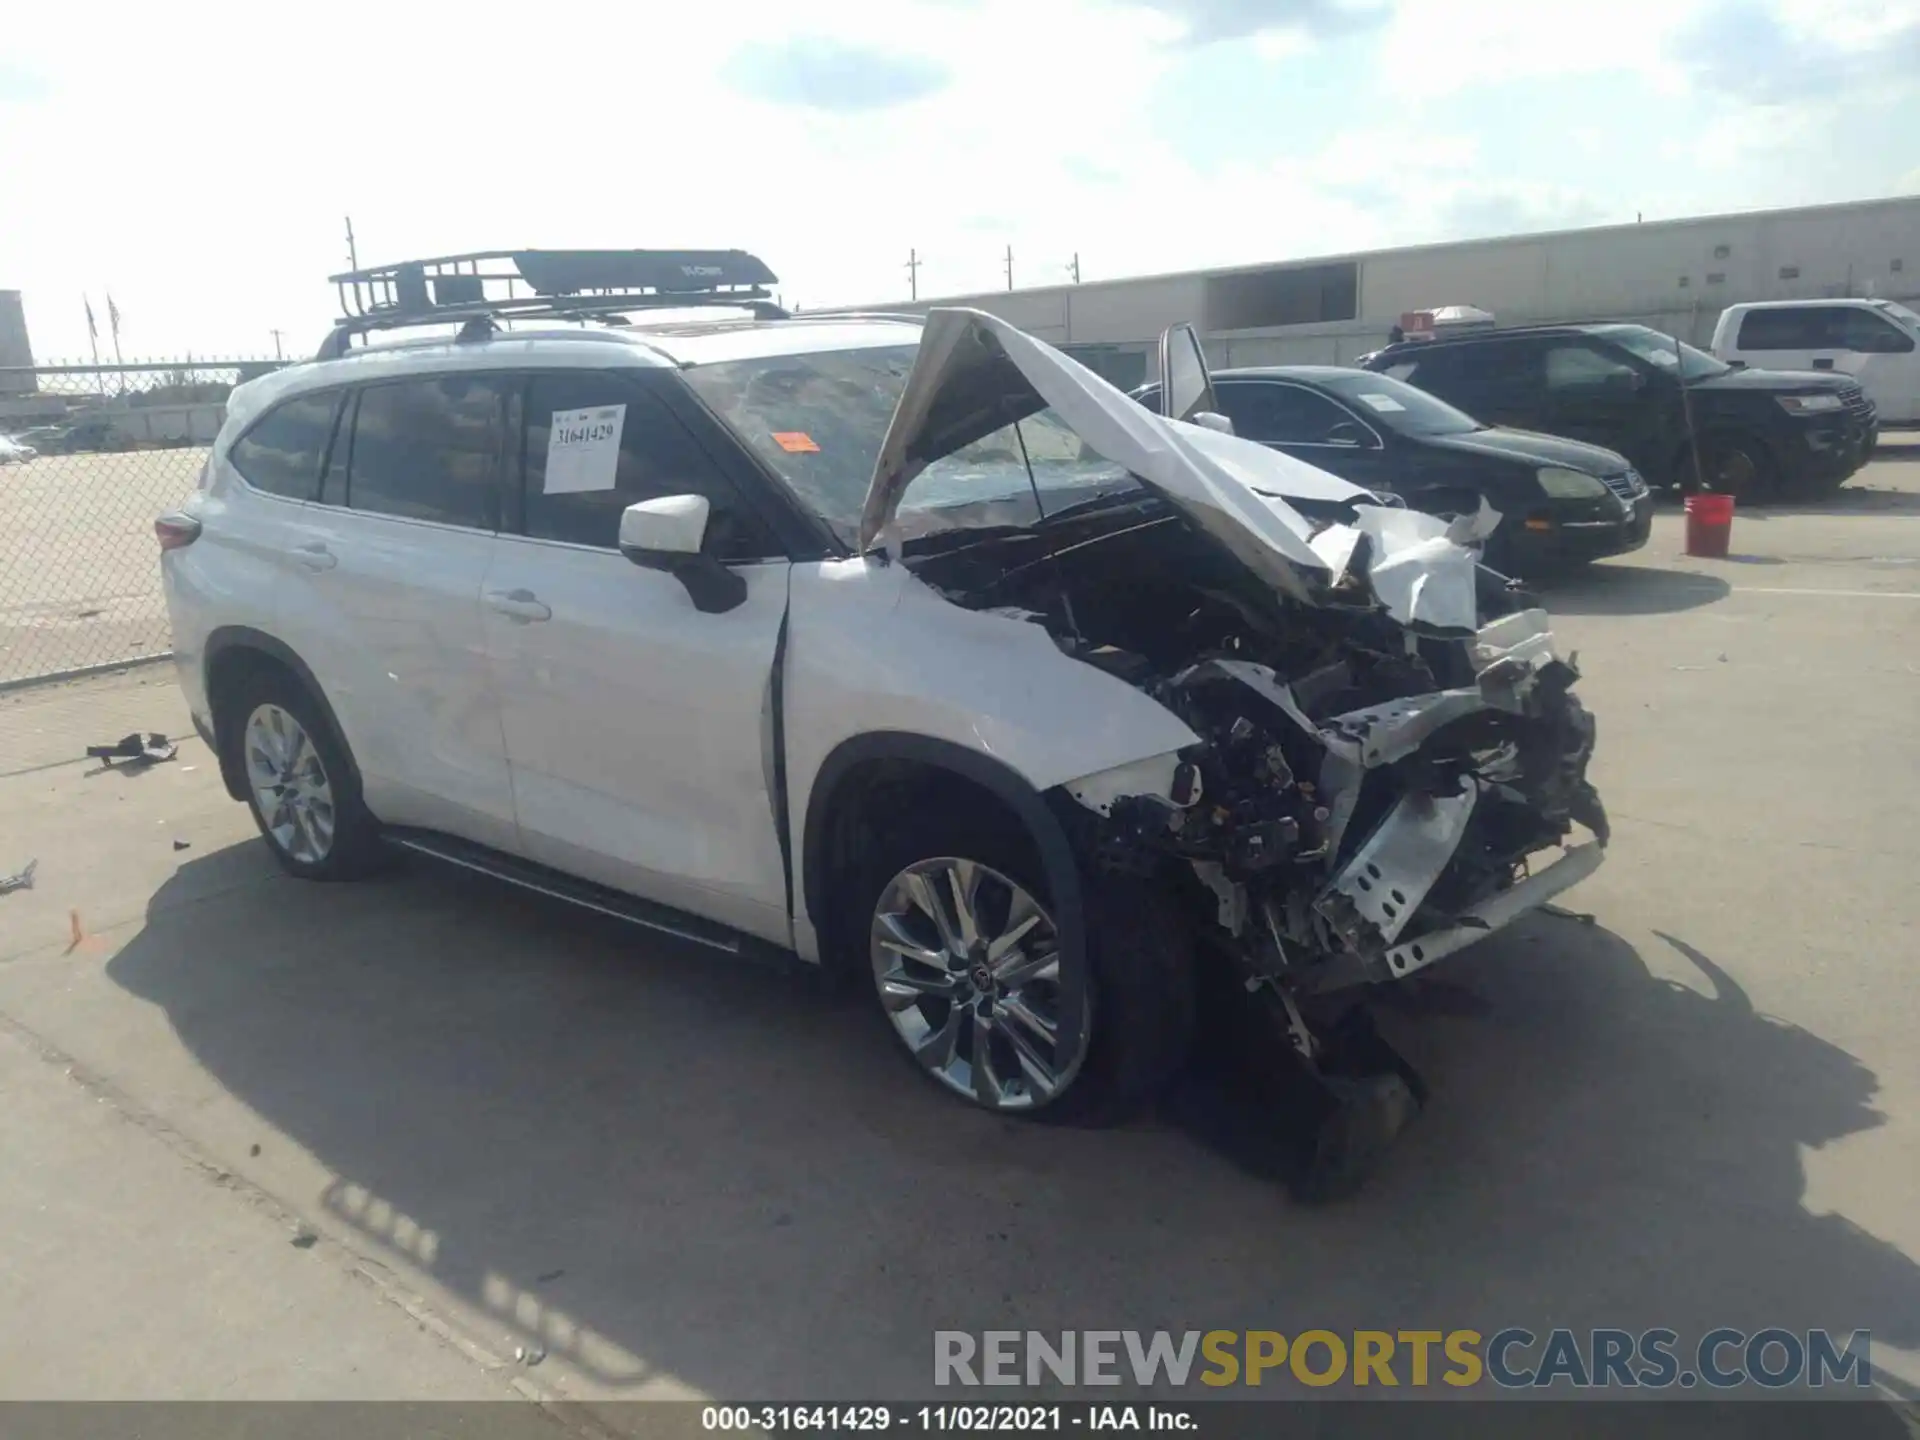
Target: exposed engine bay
x: 1367, y: 797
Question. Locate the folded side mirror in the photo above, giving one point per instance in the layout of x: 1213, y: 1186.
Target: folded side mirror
x: 670, y: 534
x: 1347, y: 435
x: 1212, y: 420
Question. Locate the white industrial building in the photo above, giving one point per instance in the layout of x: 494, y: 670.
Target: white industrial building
x: 1676, y: 275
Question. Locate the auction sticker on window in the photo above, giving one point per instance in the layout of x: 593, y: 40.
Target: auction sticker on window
x: 1383, y: 403
x: 583, y: 449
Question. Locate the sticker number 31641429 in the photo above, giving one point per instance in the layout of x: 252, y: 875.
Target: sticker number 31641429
x: 583, y: 449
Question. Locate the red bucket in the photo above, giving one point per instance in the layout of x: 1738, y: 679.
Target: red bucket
x: 1709, y: 524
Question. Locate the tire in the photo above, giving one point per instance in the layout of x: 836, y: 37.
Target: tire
x: 1139, y: 1017
x: 1737, y: 465
x: 324, y: 831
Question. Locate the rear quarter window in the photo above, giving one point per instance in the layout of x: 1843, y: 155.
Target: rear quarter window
x: 282, y: 452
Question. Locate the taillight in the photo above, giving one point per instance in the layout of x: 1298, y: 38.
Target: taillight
x: 176, y: 531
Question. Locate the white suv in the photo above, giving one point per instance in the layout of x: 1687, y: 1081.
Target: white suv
x: 1875, y: 341
x: 917, y: 651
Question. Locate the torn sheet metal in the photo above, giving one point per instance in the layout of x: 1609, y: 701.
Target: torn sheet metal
x: 1422, y: 567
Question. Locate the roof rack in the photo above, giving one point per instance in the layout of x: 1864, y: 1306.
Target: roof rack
x: 478, y: 289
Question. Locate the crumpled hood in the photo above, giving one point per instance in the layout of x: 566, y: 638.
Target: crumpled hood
x: 975, y: 373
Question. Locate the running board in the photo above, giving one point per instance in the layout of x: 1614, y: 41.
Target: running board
x: 602, y: 899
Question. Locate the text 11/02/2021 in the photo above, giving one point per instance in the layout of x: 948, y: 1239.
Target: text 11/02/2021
x: 849, y: 1419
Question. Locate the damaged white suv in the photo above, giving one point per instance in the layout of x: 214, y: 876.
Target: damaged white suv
x: 918, y: 651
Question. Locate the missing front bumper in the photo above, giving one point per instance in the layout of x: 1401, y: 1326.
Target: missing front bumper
x: 1496, y: 912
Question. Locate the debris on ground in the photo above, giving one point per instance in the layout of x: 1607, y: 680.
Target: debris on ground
x: 148, y: 747
x: 21, y: 879
x: 79, y: 933
x: 253, y: 1150
x: 304, y: 1239
x: 549, y: 1277
x: 1580, y: 916
x: 180, y: 844
x: 529, y: 1354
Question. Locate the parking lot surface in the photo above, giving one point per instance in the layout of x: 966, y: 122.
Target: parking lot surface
x: 526, y: 1129
x: 79, y: 581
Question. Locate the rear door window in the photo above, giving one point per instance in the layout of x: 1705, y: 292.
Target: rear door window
x: 282, y: 453
x: 430, y: 449
x: 1801, y: 328
x: 597, y: 442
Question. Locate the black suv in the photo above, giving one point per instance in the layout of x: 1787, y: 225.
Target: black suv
x: 1761, y: 433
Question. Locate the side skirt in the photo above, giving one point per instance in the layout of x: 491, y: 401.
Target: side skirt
x: 601, y: 899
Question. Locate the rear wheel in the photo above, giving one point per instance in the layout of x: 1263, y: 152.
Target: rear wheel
x: 301, y: 787
x: 964, y: 946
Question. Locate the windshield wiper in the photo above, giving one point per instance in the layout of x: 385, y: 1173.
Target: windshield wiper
x: 1131, y: 496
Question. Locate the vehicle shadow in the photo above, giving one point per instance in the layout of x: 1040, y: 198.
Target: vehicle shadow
x: 1603, y: 589
x: 657, y: 1164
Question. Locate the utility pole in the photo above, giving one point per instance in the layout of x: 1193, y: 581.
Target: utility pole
x: 1009, y: 267
x: 277, y: 353
x: 913, y: 274
x: 1074, y: 268
x: 353, y: 255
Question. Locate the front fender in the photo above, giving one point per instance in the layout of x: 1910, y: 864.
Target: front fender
x: 873, y: 650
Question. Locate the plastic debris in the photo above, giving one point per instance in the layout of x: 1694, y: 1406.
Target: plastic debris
x: 148, y: 747
x: 21, y: 879
x: 529, y: 1354
x: 180, y: 844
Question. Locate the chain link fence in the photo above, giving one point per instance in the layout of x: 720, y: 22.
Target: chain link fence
x: 91, y: 454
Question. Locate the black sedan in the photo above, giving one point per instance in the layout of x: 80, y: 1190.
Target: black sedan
x: 1561, y: 502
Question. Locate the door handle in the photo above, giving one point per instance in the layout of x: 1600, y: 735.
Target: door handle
x: 316, y: 557
x: 1823, y: 364
x: 521, y: 605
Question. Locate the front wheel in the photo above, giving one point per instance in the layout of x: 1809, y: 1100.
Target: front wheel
x: 964, y: 946
x: 1736, y: 465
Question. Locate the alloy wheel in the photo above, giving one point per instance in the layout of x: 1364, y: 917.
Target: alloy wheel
x: 290, y: 785
x: 967, y: 963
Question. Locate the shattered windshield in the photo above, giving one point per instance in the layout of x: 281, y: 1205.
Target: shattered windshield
x: 818, y: 421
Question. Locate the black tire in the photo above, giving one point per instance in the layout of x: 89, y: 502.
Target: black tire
x: 355, y: 848
x: 1737, y: 465
x: 1137, y: 949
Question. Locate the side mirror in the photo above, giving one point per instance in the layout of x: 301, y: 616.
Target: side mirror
x: 1346, y: 434
x: 1212, y: 420
x: 670, y: 534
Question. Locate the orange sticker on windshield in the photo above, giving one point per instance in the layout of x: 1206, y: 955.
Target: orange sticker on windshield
x: 795, y: 442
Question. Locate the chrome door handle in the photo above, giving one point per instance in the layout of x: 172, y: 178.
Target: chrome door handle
x: 316, y: 557
x: 522, y: 605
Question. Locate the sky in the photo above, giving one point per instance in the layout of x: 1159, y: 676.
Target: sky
x: 198, y: 160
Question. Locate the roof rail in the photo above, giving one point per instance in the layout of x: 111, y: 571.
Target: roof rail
x: 477, y: 289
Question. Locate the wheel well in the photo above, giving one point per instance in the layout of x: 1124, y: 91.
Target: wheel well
x: 864, y: 776
x: 230, y: 668
x: 864, y: 795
